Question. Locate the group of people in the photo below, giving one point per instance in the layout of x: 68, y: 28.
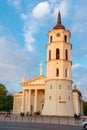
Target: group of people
x: 77, y: 117
x: 7, y: 114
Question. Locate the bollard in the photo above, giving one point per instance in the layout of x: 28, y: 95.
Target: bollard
x: 50, y: 120
x: 42, y: 119
x: 58, y: 120
x: 28, y: 118
x: 15, y: 118
x: 35, y: 119
x: 68, y: 120
x: 10, y: 118
x: 4, y: 118
x: 22, y: 118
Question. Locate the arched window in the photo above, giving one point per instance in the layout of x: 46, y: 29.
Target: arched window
x: 65, y: 38
x: 68, y: 87
x: 57, y: 72
x: 57, y: 53
x: 66, y: 54
x: 65, y: 72
x: 50, y: 97
x: 69, y: 98
x: 59, y: 86
x: 50, y: 86
x: 51, y: 38
x: 49, y: 54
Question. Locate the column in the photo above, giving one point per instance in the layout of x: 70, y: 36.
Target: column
x: 29, y: 101
x: 23, y: 98
x: 35, y: 101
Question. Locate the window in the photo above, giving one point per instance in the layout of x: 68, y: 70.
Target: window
x: 49, y: 54
x: 66, y: 54
x: 59, y: 97
x: 65, y: 72
x: 57, y: 72
x: 65, y: 38
x: 51, y: 38
x: 68, y: 87
x: 50, y: 86
x: 50, y: 97
x: 59, y: 86
x: 42, y: 106
x: 69, y: 98
x: 57, y: 53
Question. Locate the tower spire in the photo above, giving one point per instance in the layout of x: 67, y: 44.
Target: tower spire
x: 59, y: 24
x: 59, y: 18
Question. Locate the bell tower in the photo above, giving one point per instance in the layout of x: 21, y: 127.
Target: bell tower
x: 58, y: 91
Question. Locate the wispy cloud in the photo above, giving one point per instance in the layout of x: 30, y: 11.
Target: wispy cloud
x: 79, y: 76
x: 39, y: 17
x: 81, y: 51
x: 14, y: 60
x: 15, y: 3
x: 79, y: 19
x: 76, y: 66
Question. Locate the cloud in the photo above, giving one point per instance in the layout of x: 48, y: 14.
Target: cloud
x: 24, y: 16
x: 39, y: 17
x: 79, y: 19
x: 76, y: 66
x: 15, y: 3
x: 79, y: 76
x: 80, y: 52
x: 80, y: 10
x: 41, y: 10
x: 79, y: 28
x: 12, y: 60
x: 15, y: 61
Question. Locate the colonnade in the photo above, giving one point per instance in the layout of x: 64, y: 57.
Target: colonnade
x: 27, y: 107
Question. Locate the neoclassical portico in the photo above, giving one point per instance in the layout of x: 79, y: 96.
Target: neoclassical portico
x: 32, y: 97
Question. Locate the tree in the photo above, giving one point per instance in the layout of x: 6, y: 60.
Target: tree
x: 3, y: 93
x: 85, y: 107
x: 6, y: 99
x: 9, y: 102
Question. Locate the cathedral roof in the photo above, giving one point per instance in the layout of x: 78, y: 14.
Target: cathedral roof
x: 77, y: 91
x: 59, y: 24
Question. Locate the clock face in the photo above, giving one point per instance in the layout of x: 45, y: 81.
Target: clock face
x: 58, y: 34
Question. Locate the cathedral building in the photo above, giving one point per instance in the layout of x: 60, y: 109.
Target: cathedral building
x: 52, y: 95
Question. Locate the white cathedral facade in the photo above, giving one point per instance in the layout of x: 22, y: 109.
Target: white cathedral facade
x: 52, y: 95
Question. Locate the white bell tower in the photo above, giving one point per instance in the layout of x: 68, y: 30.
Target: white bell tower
x: 58, y: 92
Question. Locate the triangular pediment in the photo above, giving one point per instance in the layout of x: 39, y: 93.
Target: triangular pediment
x: 37, y: 80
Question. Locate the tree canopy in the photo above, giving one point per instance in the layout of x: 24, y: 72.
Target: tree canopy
x: 85, y: 108
x: 6, y: 99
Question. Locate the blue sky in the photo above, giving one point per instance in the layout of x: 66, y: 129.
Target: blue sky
x: 24, y: 25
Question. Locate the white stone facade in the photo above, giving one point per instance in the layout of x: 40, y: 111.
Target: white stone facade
x: 52, y: 95
x: 58, y: 101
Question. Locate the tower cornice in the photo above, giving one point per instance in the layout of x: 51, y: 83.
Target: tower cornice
x: 59, y: 80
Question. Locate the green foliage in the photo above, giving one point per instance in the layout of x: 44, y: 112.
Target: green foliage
x: 85, y: 108
x: 6, y: 100
x: 9, y: 102
x: 3, y: 90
